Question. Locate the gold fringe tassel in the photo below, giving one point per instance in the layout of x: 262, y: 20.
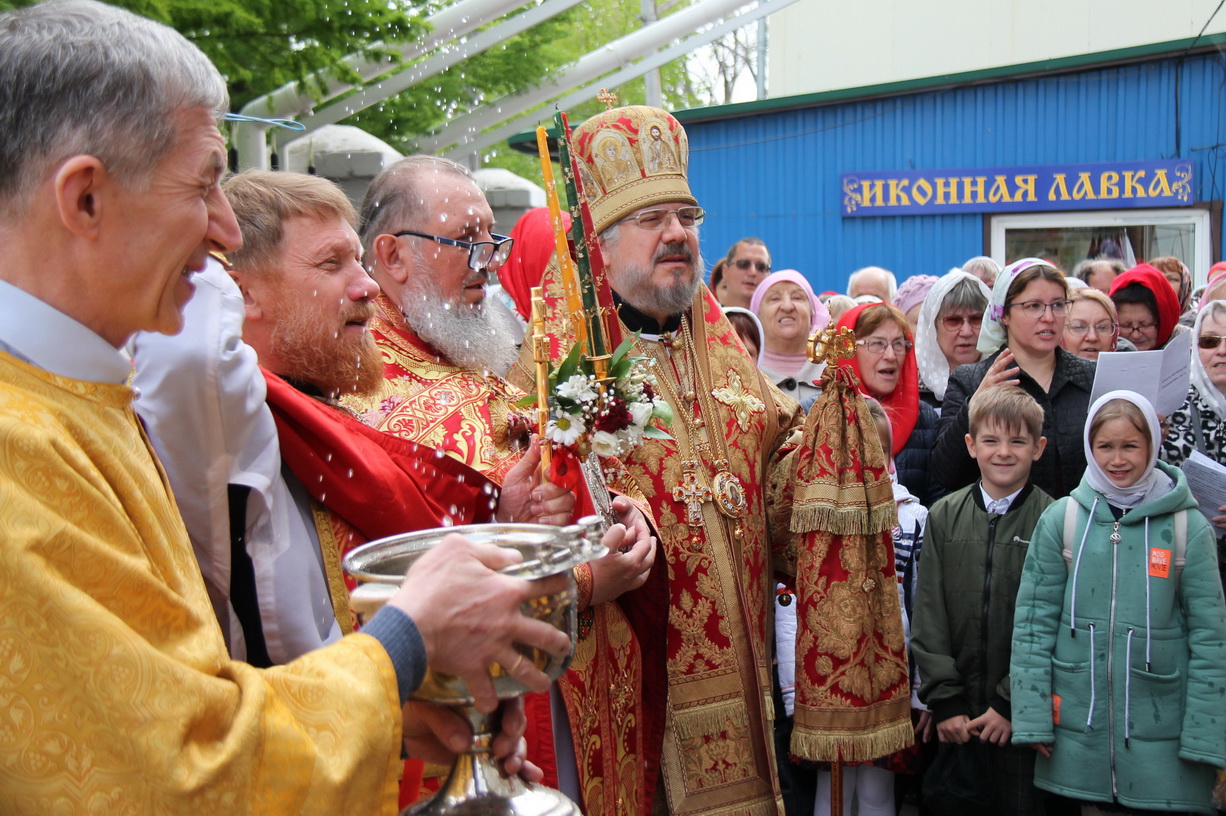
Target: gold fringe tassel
x: 850, y: 521
x: 852, y: 746
x: 708, y: 720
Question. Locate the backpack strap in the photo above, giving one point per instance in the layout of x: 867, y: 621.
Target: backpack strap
x: 1181, y: 543
x: 1070, y: 530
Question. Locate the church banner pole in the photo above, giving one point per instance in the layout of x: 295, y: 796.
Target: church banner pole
x: 604, y: 330
x: 566, y: 265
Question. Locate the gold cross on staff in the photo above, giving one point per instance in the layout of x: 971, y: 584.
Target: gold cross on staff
x: 692, y: 493
x: 831, y: 345
x: 607, y: 97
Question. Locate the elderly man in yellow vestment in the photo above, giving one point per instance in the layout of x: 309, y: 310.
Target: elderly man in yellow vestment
x: 118, y: 694
x: 428, y: 234
x: 709, y: 486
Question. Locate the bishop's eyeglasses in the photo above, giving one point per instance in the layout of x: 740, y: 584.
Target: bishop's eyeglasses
x: 654, y: 219
x: 481, y: 254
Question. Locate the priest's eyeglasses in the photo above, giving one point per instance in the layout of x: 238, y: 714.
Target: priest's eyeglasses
x: 481, y: 254
x: 658, y: 219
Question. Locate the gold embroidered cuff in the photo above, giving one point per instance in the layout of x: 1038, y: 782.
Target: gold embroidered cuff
x: 583, y: 582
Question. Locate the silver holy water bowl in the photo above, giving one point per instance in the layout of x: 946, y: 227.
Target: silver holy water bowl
x: 475, y: 787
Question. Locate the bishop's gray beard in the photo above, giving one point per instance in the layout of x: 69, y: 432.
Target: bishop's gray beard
x: 635, y: 284
x: 476, y: 337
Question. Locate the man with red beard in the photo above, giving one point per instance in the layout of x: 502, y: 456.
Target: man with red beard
x: 707, y: 485
x: 428, y: 233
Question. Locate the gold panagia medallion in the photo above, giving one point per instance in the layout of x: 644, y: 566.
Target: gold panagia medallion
x: 729, y: 494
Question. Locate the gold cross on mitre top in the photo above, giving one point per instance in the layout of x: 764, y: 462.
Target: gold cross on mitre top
x: 607, y: 97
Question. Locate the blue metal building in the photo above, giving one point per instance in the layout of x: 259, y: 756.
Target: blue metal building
x: 773, y: 169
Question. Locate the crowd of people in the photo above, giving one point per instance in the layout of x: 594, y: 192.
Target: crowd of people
x: 983, y: 378
x: 212, y: 386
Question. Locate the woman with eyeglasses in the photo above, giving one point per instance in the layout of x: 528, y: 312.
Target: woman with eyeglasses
x: 1092, y: 326
x: 885, y: 365
x: 948, y: 331
x: 1147, y: 307
x: 1022, y: 329
x: 1200, y: 423
x: 789, y: 311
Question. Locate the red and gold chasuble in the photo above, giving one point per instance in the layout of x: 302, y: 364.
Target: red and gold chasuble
x: 712, y: 587
x: 427, y: 400
x: 473, y: 417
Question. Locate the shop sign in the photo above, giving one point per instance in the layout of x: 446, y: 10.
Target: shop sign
x: 1115, y: 185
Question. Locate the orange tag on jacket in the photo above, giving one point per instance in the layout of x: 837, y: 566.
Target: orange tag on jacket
x: 1159, y: 563
x: 1055, y: 709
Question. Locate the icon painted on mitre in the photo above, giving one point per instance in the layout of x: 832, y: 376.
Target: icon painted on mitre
x: 590, y: 191
x: 614, y: 161
x: 658, y: 155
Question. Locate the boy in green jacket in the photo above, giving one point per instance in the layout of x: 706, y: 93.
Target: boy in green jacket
x: 974, y: 548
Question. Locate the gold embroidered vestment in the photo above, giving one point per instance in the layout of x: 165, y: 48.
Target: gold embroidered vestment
x: 116, y: 691
x: 717, y: 755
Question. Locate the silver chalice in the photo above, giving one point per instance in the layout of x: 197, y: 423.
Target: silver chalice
x: 475, y: 787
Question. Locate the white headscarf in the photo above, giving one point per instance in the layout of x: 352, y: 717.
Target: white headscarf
x: 1153, y: 484
x: 1200, y: 377
x: 992, y: 333
x: 933, y: 367
x: 761, y: 333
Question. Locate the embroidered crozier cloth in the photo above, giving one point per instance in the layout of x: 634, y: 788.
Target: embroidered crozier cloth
x: 852, y: 688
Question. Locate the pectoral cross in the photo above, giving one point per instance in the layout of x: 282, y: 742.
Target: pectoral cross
x: 692, y: 493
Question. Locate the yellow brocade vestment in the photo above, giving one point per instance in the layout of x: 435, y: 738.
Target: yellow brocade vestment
x: 717, y: 755
x: 116, y: 692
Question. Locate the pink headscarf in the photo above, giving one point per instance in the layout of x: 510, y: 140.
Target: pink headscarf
x: 820, y: 314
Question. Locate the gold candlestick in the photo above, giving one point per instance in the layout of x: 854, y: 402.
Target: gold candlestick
x: 540, y: 354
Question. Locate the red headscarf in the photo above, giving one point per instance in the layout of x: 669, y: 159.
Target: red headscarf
x: 534, y: 246
x: 902, y: 404
x: 1157, y: 284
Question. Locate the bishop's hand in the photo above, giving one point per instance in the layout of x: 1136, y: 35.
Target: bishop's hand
x: 632, y: 551
x: 523, y: 500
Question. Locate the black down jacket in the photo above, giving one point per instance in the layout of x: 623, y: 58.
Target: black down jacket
x: 1065, y: 409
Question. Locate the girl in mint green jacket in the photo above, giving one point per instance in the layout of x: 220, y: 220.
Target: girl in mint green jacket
x: 1119, y: 657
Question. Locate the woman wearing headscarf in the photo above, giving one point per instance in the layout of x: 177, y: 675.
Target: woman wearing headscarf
x: 748, y: 328
x: 1021, y: 333
x: 947, y: 335
x: 910, y: 296
x: 1200, y: 423
x: 1179, y: 277
x: 789, y: 311
x: 533, y: 247
x: 1147, y: 307
x: 884, y: 363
